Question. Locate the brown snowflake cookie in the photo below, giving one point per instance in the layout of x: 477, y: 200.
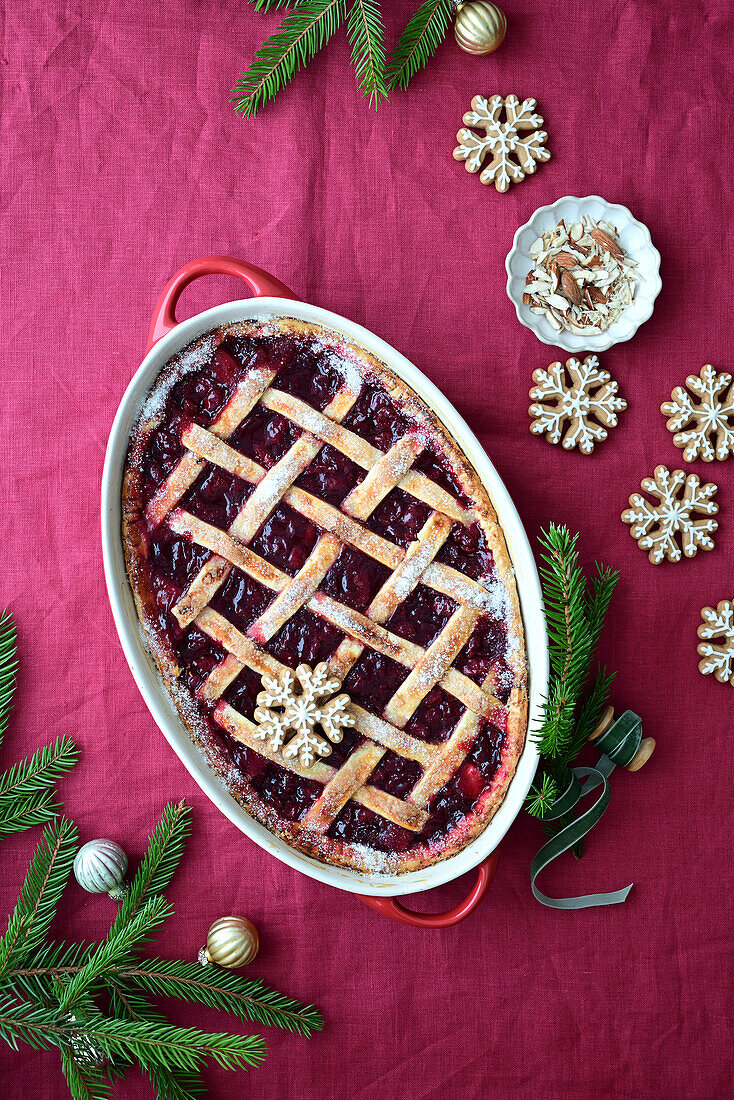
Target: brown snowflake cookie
x: 705, y: 414
x: 512, y: 157
x: 569, y: 399
x: 681, y: 499
x: 718, y: 654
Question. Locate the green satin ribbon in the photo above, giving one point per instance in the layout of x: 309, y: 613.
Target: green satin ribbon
x: 618, y: 746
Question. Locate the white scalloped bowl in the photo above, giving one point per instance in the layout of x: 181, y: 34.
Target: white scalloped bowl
x: 634, y: 238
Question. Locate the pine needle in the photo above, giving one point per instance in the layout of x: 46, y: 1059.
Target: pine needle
x: 366, y: 33
x: 419, y: 41
x: 300, y: 36
x: 8, y: 668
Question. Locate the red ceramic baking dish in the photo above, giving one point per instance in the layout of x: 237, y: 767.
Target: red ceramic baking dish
x: 166, y: 337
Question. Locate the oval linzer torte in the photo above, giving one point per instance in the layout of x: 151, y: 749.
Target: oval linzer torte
x: 325, y: 587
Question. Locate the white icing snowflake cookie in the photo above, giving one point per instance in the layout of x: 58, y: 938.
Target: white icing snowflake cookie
x: 717, y: 651
x: 575, y: 403
x: 683, y: 511
x: 287, y: 719
x: 512, y: 157
x: 702, y: 415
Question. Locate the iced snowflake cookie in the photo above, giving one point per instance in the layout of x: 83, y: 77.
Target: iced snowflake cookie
x: 682, y: 511
x: 703, y: 419
x: 288, y: 719
x: 717, y: 651
x: 509, y: 156
x: 578, y: 399
x: 582, y: 279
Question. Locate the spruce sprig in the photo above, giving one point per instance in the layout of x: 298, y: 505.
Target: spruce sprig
x: 8, y: 668
x: 27, y: 795
x: 419, y: 41
x: 300, y: 36
x: 309, y: 26
x: 366, y: 33
x: 575, y: 611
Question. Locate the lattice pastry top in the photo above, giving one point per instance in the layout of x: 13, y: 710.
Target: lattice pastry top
x: 289, y: 501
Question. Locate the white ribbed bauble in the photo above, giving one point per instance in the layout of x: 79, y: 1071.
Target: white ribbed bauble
x: 100, y: 866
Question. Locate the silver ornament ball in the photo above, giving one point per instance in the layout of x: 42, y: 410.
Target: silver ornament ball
x: 480, y: 26
x: 100, y: 866
x: 232, y: 942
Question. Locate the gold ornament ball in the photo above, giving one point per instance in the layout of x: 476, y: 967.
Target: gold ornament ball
x: 480, y: 27
x: 232, y: 942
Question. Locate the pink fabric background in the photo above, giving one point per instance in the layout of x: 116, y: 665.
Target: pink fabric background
x: 121, y: 161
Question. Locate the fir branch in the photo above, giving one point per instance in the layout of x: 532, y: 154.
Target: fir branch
x: 84, y: 1082
x: 542, y: 797
x: 38, y: 810
x: 115, y: 948
x: 157, y: 867
x: 592, y: 709
x: 419, y: 41
x: 165, y: 1046
x: 26, y: 790
x: 366, y: 33
x: 44, y: 884
x: 222, y: 989
x: 8, y: 667
x: 300, y: 36
x: 152, y: 1045
x: 171, y: 1084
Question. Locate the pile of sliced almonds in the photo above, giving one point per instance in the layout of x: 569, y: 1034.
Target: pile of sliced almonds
x: 583, y: 279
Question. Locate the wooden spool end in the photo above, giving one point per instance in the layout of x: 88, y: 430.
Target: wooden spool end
x: 604, y: 723
x: 643, y: 754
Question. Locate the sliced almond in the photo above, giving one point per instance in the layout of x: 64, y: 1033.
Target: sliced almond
x: 607, y: 243
x: 570, y: 288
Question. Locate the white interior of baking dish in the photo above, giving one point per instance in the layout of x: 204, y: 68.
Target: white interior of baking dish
x: 143, y: 666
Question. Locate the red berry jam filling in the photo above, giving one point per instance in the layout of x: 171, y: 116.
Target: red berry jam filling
x: 356, y: 824
x: 399, y: 518
x: 373, y: 681
x: 198, y: 655
x: 312, y: 377
x: 265, y: 436
x: 376, y: 417
x: 241, y: 599
x: 436, y: 716
x: 466, y: 550
x: 242, y: 693
x: 305, y: 637
x: 290, y: 795
x: 396, y: 774
x: 216, y: 497
x: 487, y: 642
x: 422, y: 617
x: 354, y: 579
x: 437, y: 468
x: 330, y: 476
x: 286, y: 539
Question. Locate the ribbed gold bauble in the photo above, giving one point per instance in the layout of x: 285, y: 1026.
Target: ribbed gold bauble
x: 480, y: 27
x: 232, y: 942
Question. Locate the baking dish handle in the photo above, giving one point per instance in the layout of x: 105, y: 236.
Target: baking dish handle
x: 392, y: 908
x: 260, y: 283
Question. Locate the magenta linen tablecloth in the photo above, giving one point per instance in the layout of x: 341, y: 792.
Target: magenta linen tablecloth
x: 121, y: 161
